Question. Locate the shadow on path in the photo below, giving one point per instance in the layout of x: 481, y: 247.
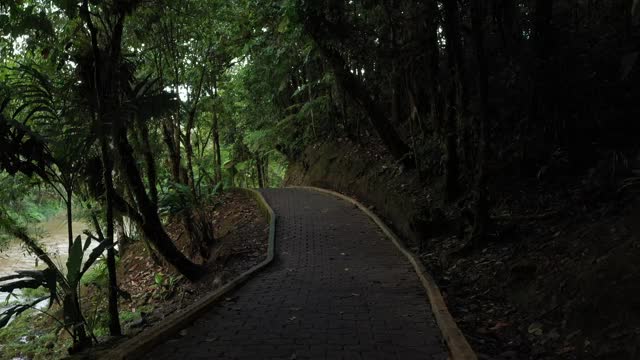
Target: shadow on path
x: 338, y: 289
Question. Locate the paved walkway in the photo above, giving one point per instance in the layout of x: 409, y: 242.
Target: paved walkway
x: 338, y: 289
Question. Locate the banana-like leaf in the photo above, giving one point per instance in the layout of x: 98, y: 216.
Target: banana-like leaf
x: 16, y: 310
x: 10, y: 277
x: 4, y: 103
x: 95, y: 254
x: 21, y: 284
x: 74, y: 262
x: 32, y: 279
x: 87, y: 243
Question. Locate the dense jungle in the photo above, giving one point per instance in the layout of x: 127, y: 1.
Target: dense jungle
x: 497, y: 138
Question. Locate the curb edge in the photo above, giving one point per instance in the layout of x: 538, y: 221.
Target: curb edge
x: 457, y: 344
x: 136, y: 347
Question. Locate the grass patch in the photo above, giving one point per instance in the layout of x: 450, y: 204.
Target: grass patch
x: 97, y: 275
x: 34, y: 293
x: 32, y: 335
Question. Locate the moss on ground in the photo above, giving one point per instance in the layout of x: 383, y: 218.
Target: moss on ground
x: 33, y: 336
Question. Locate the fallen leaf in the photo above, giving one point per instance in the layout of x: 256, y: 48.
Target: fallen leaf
x: 535, y: 329
x: 554, y: 334
x: 565, y: 350
x: 499, y: 325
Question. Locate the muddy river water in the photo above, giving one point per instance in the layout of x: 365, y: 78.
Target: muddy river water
x: 54, y: 240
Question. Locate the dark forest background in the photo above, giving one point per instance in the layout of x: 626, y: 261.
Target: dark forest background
x: 146, y: 110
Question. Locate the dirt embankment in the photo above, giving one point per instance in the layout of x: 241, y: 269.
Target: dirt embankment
x: 152, y: 292
x: 372, y: 178
x: 558, y: 279
x: 241, y: 233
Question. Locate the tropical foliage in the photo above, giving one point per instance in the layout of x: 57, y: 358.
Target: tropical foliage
x: 145, y: 110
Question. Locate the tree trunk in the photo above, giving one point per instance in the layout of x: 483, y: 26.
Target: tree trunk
x: 394, y: 78
x: 511, y: 32
x: 232, y: 175
x: 259, y: 172
x: 187, y: 138
x: 454, y: 98
x: 216, y: 147
x: 432, y: 60
x: 265, y: 170
x: 174, y: 150
x: 216, y: 133
x: 178, y: 174
x: 112, y: 87
x: 360, y: 94
x: 254, y: 176
x: 152, y: 177
x: 481, y: 211
x: 73, y: 318
x: 542, y: 31
x: 107, y: 165
x: 395, y: 85
x: 69, y: 207
x: 541, y: 43
x: 310, y: 97
x: 151, y: 224
x: 120, y: 235
x: 189, y: 152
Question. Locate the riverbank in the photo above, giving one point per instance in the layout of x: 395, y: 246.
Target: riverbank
x: 152, y: 292
x: 149, y: 292
x: 54, y: 239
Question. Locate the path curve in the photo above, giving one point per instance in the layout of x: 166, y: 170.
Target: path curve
x: 338, y: 289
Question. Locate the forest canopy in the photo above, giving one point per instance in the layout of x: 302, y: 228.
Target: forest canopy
x: 143, y: 111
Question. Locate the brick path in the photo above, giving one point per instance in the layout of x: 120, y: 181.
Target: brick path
x: 338, y: 289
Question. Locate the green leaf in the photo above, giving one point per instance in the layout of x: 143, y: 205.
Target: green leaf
x: 159, y: 279
x: 284, y: 25
x: 87, y: 243
x: 74, y: 262
x: 95, y: 254
x: 16, y: 310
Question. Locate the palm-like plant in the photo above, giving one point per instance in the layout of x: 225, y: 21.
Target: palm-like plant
x: 62, y: 285
x: 55, y: 152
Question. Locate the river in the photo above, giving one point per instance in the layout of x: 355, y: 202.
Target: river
x: 54, y: 240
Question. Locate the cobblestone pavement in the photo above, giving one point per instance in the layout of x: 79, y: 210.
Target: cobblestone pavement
x: 338, y: 289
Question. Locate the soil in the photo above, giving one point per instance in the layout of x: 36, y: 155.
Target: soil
x: 241, y: 233
x: 153, y: 292
x: 559, y: 277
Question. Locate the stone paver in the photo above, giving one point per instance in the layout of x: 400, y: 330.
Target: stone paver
x: 338, y: 289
